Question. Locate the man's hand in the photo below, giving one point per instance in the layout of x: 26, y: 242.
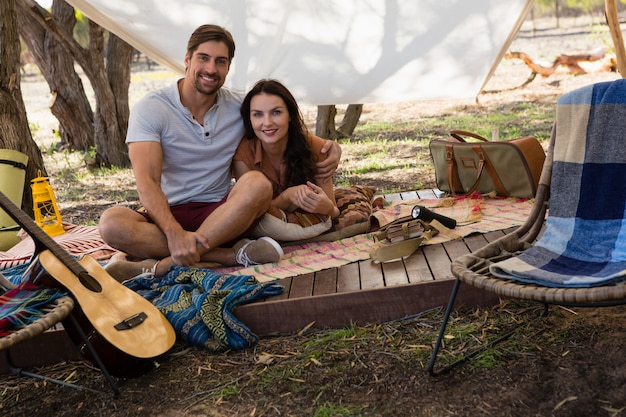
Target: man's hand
x: 184, y: 247
x: 327, y: 167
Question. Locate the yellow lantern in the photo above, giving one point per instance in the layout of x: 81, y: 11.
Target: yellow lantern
x: 47, y: 214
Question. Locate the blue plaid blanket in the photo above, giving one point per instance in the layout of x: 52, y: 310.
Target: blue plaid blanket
x: 199, y: 304
x: 584, y: 244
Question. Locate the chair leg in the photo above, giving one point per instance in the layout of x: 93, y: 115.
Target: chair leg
x: 21, y: 372
x: 446, y: 317
x: 95, y: 356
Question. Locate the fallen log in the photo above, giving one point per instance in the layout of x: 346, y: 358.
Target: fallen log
x: 582, y: 63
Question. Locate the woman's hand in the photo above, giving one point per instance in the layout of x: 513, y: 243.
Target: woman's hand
x: 312, y: 198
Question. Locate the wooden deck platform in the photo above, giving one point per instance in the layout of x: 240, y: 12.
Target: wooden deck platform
x: 366, y: 292
x: 360, y: 292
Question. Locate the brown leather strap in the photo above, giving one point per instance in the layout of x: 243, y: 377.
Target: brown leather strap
x: 456, y: 134
x: 491, y: 171
x: 454, y: 182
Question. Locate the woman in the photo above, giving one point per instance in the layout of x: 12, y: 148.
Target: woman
x: 277, y: 143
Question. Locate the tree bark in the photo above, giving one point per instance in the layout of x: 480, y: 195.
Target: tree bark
x: 69, y: 102
x: 14, y: 131
x: 350, y: 119
x: 325, y: 122
x: 110, y: 81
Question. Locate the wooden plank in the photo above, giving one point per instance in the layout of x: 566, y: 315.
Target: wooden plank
x: 325, y: 282
x: 456, y: 248
x: 371, y: 275
x: 361, y: 307
x: 495, y: 235
x: 348, y: 278
x: 409, y: 195
x: 426, y: 194
x: 302, y: 286
x: 417, y: 269
x: 394, y: 273
x: 475, y: 242
x: 48, y: 348
x: 438, y: 261
x: 286, y: 283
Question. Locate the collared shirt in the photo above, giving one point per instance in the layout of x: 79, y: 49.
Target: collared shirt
x: 250, y: 152
x: 196, y: 157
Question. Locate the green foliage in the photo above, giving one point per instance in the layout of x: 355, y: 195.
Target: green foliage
x: 81, y: 29
x: 585, y: 5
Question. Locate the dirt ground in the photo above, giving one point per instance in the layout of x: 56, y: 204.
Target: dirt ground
x: 569, y: 363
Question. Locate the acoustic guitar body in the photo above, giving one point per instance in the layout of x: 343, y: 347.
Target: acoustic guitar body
x: 126, y: 330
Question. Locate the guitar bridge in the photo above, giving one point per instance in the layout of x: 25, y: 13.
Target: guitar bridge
x: 131, y: 322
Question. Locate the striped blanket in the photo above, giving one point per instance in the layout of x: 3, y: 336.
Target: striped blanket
x: 584, y: 244
x: 199, y: 304
x: 22, y: 305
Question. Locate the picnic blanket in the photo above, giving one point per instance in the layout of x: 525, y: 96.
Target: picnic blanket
x: 199, y: 304
x: 584, y: 244
x: 476, y: 214
x: 77, y: 240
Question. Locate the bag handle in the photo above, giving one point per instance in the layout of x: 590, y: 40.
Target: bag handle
x: 484, y: 164
x: 456, y: 134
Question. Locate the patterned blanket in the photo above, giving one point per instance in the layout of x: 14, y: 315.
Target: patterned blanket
x: 478, y: 214
x: 199, y: 304
x: 584, y: 244
x: 22, y: 305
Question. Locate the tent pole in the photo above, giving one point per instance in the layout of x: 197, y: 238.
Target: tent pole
x: 612, y: 20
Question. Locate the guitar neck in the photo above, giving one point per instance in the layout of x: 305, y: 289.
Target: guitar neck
x: 39, y: 236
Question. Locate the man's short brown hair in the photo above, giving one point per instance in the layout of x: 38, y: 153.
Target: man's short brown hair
x: 207, y: 33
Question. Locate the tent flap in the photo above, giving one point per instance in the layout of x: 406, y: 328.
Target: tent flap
x: 332, y: 52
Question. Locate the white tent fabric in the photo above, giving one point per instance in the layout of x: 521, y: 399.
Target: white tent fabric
x: 332, y: 52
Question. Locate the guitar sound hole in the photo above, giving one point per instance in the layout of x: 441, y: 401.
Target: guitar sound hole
x: 89, y: 282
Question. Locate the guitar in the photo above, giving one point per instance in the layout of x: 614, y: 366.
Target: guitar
x: 126, y: 330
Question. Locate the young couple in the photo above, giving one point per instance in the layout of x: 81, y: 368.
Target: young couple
x: 186, y: 141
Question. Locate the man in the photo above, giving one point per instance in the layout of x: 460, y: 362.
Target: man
x: 181, y: 141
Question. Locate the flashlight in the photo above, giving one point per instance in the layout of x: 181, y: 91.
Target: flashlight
x: 422, y: 213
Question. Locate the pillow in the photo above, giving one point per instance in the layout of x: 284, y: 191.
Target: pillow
x: 355, y: 208
x: 304, y: 226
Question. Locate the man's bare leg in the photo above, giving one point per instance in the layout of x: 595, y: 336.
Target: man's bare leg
x: 131, y: 233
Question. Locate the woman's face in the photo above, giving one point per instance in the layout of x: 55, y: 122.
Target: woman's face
x: 269, y: 118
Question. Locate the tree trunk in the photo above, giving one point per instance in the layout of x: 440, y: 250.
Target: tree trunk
x: 110, y: 82
x: 119, y: 56
x: 69, y: 102
x: 350, y: 119
x: 325, y: 122
x: 14, y: 131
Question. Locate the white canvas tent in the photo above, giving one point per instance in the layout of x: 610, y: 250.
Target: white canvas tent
x: 332, y: 51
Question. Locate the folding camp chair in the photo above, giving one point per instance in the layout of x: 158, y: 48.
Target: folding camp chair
x: 580, y: 258
x: 53, y: 313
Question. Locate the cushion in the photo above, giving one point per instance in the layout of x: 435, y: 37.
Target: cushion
x: 283, y: 230
x: 355, y: 208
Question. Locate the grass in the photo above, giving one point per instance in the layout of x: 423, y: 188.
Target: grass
x: 400, y: 149
x: 397, y: 149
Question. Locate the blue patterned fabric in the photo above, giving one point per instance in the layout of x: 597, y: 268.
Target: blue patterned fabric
x: 199, y: 304
x: 584, y: 244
